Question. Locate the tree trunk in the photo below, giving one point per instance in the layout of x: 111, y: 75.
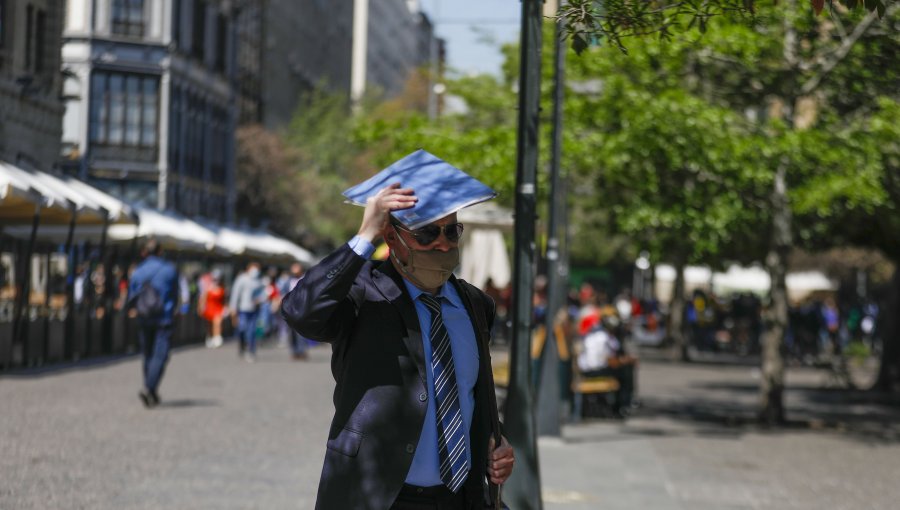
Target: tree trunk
x: 676, y: 316
x: 889, y: 375
x: 771, y: 409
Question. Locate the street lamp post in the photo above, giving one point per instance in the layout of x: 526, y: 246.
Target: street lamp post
x: 523, y: 488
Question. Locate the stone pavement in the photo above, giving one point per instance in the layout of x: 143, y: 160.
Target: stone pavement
x: 233, y: 435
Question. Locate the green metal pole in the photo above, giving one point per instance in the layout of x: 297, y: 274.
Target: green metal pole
x: 523, y: 489
x: 549, y: 392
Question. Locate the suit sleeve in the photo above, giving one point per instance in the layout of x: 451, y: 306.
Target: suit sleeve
x: 324, y: 303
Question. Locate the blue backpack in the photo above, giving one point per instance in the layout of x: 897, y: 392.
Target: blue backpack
x: 148, y: 303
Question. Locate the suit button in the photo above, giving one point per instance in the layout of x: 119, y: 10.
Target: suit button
x: 410, y: 448
x: 423, y: 397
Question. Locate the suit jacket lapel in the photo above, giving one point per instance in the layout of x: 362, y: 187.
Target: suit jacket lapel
x: 390, y: 284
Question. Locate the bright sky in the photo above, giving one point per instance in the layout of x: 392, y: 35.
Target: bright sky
x: 474, y: 30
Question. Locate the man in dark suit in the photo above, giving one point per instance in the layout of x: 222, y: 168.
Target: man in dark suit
x: 412, y: 426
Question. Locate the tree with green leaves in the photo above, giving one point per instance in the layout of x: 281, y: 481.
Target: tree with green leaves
x: 856, y: 201
x: 722, y: 114
x: 586, y: 22
x: 790, y: 73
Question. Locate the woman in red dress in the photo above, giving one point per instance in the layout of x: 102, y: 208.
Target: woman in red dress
x: 214, y: 309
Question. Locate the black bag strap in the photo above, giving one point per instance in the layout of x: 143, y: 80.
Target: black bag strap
x: 473, y: 296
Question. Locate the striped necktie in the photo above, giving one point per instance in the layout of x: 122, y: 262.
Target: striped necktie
x: 451, y: 432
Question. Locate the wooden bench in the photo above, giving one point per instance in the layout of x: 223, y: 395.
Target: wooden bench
x: 501, y: 374
x: 588, y: 387
x: 582, y: 387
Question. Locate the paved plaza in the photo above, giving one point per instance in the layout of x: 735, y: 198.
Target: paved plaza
x: 232, y: 435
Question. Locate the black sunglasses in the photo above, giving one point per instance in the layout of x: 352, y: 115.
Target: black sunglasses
x: 429, y: 233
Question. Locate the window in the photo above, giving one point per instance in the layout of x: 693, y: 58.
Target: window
x: 40, y: 41
x: 128, y: 17
x: 35, y: 39
x: 198, y: 35
x: 29, y: 34
x: 124, y: 109
x: 221, y: 43
x: 2, y: 21
x: 176, y: 23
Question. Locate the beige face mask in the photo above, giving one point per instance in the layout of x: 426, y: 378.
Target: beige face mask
x: 428, y: 269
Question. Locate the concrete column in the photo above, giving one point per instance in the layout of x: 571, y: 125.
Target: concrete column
x: 101, y: 17
x: 162, y: 136
x: 78, y: 16
x: 159, y: 16
x: 360, y: 49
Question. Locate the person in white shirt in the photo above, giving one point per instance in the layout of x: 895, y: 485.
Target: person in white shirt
x: 603, y: 355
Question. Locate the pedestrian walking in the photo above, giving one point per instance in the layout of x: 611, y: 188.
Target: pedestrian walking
x: 299, y: 343
x: 153, y: 292
x: 415, y: 418
x: 213, y: 308
x: 247, y: 293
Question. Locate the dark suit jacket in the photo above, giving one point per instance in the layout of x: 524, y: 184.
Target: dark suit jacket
x: 363, y: 309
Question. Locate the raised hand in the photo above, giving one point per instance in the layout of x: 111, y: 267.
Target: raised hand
x: 379, y: 206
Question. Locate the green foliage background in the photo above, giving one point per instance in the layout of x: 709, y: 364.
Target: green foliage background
x: 669, y: 148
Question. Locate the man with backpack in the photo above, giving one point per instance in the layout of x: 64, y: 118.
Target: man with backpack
x: 152, y: 293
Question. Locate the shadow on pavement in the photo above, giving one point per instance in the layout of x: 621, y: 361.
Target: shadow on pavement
x: 189, y: 402
x: 819, y: 411
x: 66, y: 367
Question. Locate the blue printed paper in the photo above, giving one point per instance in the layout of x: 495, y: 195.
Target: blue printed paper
x: 441, y: 188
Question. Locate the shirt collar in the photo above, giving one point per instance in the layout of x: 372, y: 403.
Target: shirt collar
x: 447, y: 291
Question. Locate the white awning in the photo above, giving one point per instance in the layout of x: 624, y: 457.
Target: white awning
x: 173, y: 231
x: 258, y: 243
x: 21, y: 192
x: 744, y: 279
x: 58, y: 196
x: 486, y: 214
x: 484, y: 256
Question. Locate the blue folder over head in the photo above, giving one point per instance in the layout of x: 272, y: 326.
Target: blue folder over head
x: 441, y: 188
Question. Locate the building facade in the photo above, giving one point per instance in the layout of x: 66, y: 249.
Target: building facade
x: 391, y: 39
x: 30, y: 82
x: 349, y: 47
x: 151, y: 102
x: 306, y: 46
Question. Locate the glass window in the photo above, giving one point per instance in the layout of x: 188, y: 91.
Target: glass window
x: 40, y: 41
x: 132, y: 110
x: 99, y: 114
x: 198, y: 38
x: 128, y: 17
x: 221, y: 48
x: 116, y: 109
x: 2, y: 21
x: 124, y: 109
x: 175, y: 131
x: 148, y: 112
x: 176, y: 23
x: 29, y: 34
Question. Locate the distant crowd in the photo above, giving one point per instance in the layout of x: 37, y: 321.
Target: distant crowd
x: 244, y: 307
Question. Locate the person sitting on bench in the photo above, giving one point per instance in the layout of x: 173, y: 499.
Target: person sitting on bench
x: 602, y: 355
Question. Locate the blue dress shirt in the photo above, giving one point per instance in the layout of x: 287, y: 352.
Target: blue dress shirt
x: 425, y: 468
x: 361, y: 247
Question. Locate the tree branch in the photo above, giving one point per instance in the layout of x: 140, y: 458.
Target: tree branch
x: 846, y: 45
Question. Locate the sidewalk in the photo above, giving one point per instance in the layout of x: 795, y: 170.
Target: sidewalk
x: 232, y: 435
x: 694, y: 446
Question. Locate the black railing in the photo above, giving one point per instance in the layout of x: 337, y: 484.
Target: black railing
x: 53, y: 338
